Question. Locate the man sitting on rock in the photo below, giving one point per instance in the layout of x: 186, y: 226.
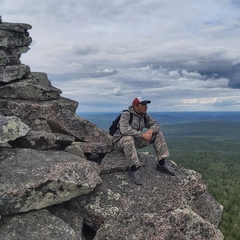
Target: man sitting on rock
x: 129, y: 137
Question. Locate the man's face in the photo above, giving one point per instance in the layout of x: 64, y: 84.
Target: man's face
x: 141, y: 108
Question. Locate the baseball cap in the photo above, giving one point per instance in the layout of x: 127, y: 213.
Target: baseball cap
x: 141, y: 100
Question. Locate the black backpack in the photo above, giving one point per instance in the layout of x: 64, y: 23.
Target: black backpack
x: 114, y: 127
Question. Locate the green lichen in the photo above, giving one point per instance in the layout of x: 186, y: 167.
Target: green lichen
x: 112, y: 195
x: 108, y: 210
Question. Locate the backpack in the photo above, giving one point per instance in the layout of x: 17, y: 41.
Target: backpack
x: 114, y: 127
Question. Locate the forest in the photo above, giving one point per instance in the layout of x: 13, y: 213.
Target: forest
x: 212, y: 149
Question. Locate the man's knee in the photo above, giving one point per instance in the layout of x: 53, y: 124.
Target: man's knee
x: 157, y: 138
x: 158, y: 135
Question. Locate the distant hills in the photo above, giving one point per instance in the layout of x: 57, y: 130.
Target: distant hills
x: 104, y: 119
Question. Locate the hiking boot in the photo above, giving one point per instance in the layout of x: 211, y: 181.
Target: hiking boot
x: 165, y: 169
x: 136, y: 177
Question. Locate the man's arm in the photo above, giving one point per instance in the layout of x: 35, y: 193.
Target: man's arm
x: 152, y: 124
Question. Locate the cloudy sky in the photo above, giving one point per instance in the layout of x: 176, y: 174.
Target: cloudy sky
x: 183, y: 55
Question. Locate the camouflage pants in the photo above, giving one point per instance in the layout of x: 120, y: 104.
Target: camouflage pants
x: 129, y: 145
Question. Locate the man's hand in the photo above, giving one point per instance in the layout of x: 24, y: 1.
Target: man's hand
x: 147, y: 135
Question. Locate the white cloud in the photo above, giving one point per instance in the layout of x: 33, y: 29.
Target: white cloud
x: 106, y: 70
x: 237, y: 101
x: 202, y: 101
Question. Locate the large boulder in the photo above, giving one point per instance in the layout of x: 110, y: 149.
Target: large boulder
x: 70, y: 217
x: 13, y: 72
x: 179, y: 224
x: 32, y: 179
x: 43, y: 140
x: 11, y: 128
x: 30, y: 88
x: 36, y: 225
x: 65, y: 121
x: 14, y: 40
x: 34, y: 114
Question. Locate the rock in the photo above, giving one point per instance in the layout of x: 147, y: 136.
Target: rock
x: 43, y: 140
x: 95, y: 147
x: 75, y: 149
x: 13, y: 72
x: 155, y: 209
x: 13, y: 39
x: 11, y: 128
x: 74, y: 220
x: 35, y: 225
x: 30, y: 89
x: 34, y: 114
x: 179, y: 224
x: 64, y: 121
x: 29, y: 112
x: 34, y: 179
x: 114, y: 162
x: 94, y: 151
x: 11, y: 56
x: 68, y: 104
x: 15, y: 27
x: 207, y: 207
x: 54, y: 118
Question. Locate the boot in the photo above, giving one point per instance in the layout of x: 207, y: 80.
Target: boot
x: 136, y: 177
x: 164, y: 168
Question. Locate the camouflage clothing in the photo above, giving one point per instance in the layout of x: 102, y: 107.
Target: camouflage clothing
x: 129, y: 136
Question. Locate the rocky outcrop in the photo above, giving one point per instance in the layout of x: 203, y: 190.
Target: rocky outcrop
x: 60, y: 178
x: 31, y: 97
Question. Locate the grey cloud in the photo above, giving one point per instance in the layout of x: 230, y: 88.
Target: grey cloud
x: 103, y: 74
x: 234, y: 76
x: 208, y: 67
x: 86, y: 51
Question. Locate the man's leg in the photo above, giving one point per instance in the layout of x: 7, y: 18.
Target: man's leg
x: 127, y: 143
x: 162, y: 152
x: 160, y: 146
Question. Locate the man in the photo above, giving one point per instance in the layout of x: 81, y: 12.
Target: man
x: 129, y: 137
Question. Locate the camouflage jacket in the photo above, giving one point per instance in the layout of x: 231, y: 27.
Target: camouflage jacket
x: 138, y: 124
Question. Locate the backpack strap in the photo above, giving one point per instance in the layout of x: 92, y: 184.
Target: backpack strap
x: 145, y: 120
x: 131, y: 116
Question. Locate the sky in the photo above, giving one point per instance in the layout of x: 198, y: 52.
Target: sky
x: 182, y: 55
